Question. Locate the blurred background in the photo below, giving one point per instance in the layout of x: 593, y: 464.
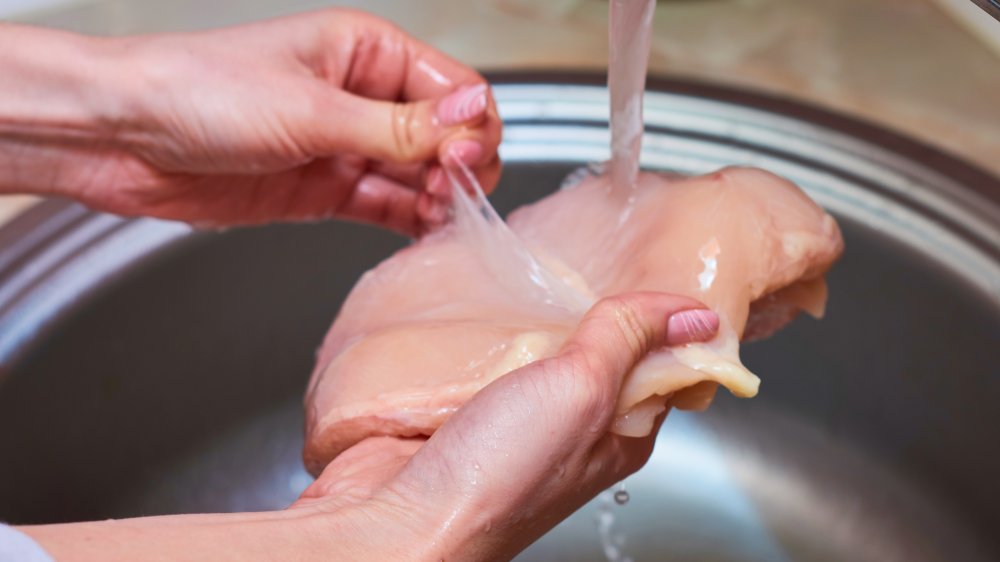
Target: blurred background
x: 928, y: 68
x: 813, y: 465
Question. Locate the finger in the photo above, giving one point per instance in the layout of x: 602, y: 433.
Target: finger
x: 563, y: 395
x: 345, y: 188
x: 440, y: 186
x: 328, y: 188
x: 474, y: 149
x: 616, y: 456
x: 386, y: 63
x: 412, y: 175
x: 438, y: 183
x: 431, y: 178
x: 488, y: 174
x: 477, y: 149
x: 432, y: 73
x: 404, y: 132
x: 507, y: 446
x: 619, y: 331
x: 432, y: 212
x: 384, y: 202
x: 468, y: 155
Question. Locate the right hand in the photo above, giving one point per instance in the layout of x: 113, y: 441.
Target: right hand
x: 523, y: 453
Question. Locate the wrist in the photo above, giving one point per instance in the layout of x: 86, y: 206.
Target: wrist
x: 57, y: 85
x: 433, y: 525
x: 59, y: 98
x: 384, y: 528
x: 189, y: 538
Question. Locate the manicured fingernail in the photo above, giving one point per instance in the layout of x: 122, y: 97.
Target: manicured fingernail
x: 465, y: 151
x: 437, y: 213
x: 692, y: 326
x: 437, y: 183
x: 462, y: 105
x: 432, y: 210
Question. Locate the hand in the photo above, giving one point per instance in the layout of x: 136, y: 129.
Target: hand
x: 326, y: 114
x: 523, y: 454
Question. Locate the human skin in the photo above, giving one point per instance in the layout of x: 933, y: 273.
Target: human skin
x: 326, y: 114
x: 523, y: 454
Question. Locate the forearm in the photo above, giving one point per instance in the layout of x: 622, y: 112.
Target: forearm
x: 182, y: 538
x: 60, y: 99
x: 297, y: 534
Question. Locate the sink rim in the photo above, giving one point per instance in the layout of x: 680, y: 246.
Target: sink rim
x: 76, y: 257
x: 56, y: 253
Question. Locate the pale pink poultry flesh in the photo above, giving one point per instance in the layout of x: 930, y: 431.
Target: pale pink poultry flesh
x: 430, y: 326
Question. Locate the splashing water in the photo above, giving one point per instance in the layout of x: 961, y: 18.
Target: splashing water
x: 621, y: 494
x: 630, y: 25
x: 629, y: 30
x: 612, y: 541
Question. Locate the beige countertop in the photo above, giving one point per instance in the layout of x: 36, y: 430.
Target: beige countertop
x: 906, y: 64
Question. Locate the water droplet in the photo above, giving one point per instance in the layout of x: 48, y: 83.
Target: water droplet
x: 621, y: 497
x: 612, y: 542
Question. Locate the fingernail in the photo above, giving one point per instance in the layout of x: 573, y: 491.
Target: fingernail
x: 465, y: 151
x: 692, y: 326
x: 462, y: 105
x: 432, y: 210
x: 437, y: 183
x: 437, y: 213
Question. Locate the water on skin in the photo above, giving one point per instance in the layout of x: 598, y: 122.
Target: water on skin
x: 532, y: 278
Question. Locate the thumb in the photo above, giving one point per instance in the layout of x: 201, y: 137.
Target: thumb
x: 400, y: 132
x: 354, y: 475
x: 521, y: 444
x: 618, y: 332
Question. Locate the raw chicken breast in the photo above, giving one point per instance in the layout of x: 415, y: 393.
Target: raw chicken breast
x: 429, y: 327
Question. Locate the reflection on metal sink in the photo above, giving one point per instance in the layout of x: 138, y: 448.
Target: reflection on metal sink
x: 147, y: 369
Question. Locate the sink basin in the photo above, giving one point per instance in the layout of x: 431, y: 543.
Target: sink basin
x: 146, y: 368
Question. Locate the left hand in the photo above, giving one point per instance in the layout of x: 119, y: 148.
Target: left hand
x: 326, y: 114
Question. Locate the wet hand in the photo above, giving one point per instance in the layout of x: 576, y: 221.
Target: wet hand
x: 525, y: 452
x: 326, y: 114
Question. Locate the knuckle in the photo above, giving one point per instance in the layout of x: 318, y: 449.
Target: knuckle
x: 581, y: 383
x: 628, y: 321
x: 404, y: 123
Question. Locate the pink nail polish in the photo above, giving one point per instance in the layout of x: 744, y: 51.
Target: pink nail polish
x: 437, y: 183
x: 462, y: 105
x: 437, y: 213
x: 465, y: 151
x: 424, y: 203
x: 692, y: 326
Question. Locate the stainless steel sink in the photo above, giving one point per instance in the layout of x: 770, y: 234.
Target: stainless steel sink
x: 147, y: 369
